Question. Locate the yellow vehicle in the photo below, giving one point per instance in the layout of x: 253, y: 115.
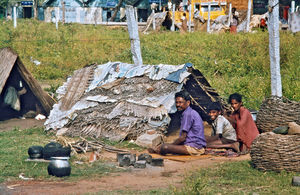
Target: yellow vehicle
x: 217, y: 8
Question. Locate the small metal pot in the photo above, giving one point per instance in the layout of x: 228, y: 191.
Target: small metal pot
x: 59, y: 167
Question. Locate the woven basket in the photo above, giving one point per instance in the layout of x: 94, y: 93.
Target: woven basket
x: 275, y: 112
x: 275, y: 152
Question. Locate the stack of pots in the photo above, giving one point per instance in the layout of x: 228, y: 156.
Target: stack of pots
x: 59, y: 165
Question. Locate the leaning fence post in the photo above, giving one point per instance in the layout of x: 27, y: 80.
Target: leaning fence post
x: 208, y: 18
x: 15, y: 17
x: 173, y: 18
x: 248, y: 15
x: 134, y: 36
x: 190, y: 17
x: 229, y: 14
x: 274, y: 46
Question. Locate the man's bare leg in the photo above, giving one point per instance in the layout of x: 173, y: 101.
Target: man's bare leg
x: 173, y: 149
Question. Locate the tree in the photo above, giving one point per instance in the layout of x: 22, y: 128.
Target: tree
x: 3, y: 3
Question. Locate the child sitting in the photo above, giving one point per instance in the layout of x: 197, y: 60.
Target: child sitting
x: 243, y: 123
x: 223, y: 134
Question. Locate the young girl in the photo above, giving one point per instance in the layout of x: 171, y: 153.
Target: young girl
x: 243, y: 123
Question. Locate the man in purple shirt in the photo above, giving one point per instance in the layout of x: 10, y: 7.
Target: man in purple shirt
x: 191, y: 137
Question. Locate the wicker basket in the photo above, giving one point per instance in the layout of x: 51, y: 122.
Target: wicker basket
x: 275, y: 112
x: 270, y: 151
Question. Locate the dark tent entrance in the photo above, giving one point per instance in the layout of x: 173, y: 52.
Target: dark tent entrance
x: 20, y: 94
x: 17, y: 99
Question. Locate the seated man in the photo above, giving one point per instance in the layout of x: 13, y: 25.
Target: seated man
x: 191, y: 138
x: 223, y: 135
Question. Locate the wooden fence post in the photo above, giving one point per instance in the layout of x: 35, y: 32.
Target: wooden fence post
x: 208, y: 18
x: 229, y: 14
x: 173, y: 18
x: 248, y: 15
x: 292, y: 6
x: 153, y: 20
x: 274, y: 46
x: 15, y: 16
x: 56, y: 17
x: 190, y: 18
x: 134, y: 36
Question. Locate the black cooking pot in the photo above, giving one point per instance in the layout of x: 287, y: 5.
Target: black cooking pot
x: 54, y: 149
x: 59, y: 167
x: 35, y: 152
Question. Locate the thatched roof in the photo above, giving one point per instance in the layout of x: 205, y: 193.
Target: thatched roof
x: 9, y: 61
x: 116, y: 100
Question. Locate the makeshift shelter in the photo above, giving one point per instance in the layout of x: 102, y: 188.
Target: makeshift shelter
x: 118, y: 100
x: 19, y: 91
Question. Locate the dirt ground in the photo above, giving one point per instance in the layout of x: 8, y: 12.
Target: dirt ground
x: 20, y: 123
x: 171, y: 174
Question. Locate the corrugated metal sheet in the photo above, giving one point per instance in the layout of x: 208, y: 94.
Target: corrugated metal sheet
x: 128, y: 95
x: 125, y: 100
x: 111, y: 71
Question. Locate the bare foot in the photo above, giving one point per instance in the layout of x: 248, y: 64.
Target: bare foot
x: 236, y: 146
x: 245, y: 151
x: 155, y: 149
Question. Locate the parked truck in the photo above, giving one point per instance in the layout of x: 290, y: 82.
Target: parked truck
x: 217, y: 8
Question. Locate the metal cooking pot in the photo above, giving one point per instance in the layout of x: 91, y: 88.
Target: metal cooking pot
x: 59, y: 167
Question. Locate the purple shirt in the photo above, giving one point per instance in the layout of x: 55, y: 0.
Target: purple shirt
x: 192, y: 124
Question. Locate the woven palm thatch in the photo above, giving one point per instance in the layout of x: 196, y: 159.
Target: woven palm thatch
x: 275, y: 112
x: 276, y: 152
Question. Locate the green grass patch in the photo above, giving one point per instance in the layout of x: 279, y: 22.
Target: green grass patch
x: 238, y: 178
x: 14, y: 145
x: 231, y: 63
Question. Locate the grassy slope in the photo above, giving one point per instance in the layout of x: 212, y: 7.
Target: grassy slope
x: 231, y: 63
